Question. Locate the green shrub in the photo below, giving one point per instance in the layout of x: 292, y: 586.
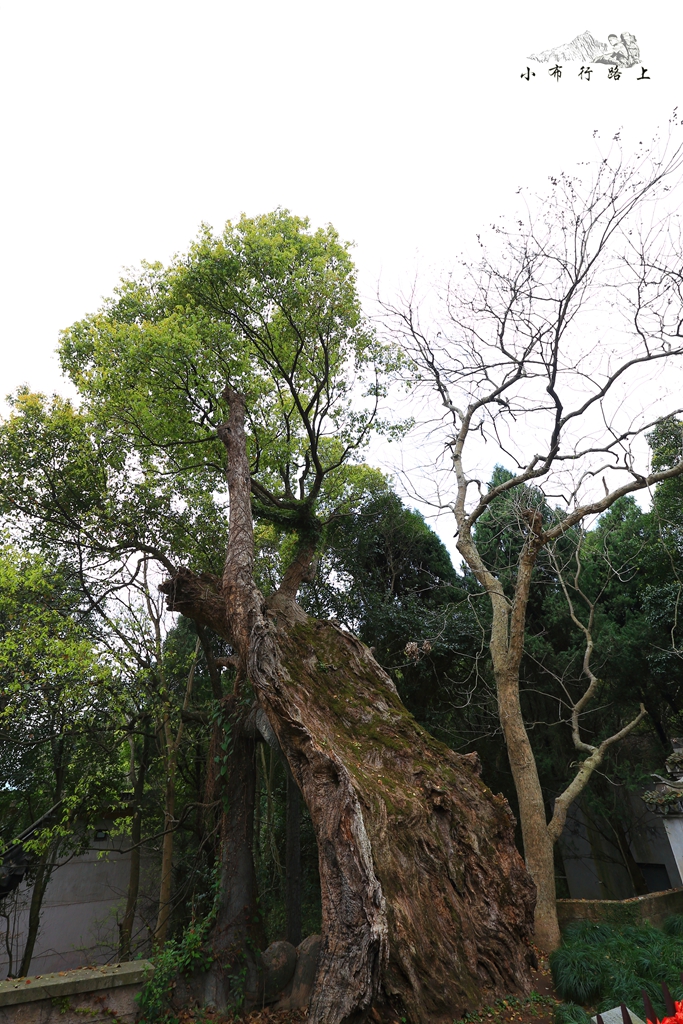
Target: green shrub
x: 674, y: 925
x: 182, y: 956
x: 570, y: 1013
x: 179, y: 956
x: 590, y: 932
x: 578, y: 971
x: 601, y: 966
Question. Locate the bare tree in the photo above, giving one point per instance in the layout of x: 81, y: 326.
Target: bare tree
x: 556, y: 348
x: 576, y: 707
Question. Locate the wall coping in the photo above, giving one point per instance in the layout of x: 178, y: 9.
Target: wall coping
x: 632, y: 899
x: 69, y: 983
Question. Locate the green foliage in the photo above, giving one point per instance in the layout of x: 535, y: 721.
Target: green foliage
x: 181, y: 956
x: 72, y: 488
x: 577, y: 973
x: 270, y: 845
x: 499, y: 533
x: 385, y: 575
x: 133, y: 479
x: 666, y: 442
x: 603, y: 966
x: 57, y: 704
x: 269, y: 308
x: 674, y: 925
x: 570, y: 1013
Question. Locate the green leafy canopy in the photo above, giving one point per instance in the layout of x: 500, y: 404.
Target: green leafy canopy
x: 269, y: 308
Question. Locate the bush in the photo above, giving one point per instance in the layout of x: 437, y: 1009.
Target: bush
x: 590, y: 932
x: 579, y: 972
x: 178, y: 957
x: 570, y: 1013
x: 601, y: 966
x: 674, y: 925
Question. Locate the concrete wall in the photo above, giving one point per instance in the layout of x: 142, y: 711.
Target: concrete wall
x: 653, y: 908
x: 97, y: 994
x: 83, y: 905
x: 594, y: 866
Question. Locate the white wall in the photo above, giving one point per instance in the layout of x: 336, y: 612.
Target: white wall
x: 83, y: 904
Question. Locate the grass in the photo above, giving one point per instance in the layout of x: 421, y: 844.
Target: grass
x: 601, y: 966
x: 570, y: 1013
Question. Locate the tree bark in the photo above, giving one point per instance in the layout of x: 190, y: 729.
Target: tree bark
x: 126, y: 926
x: 165, y: 884
x: 237, y: 935
x: 171, y: 745
x: 507, y: 647
x: 426, y: 904
x: 43, y: 872
x: 538, y: 845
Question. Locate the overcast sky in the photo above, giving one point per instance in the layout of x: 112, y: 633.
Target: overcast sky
x: 126, y: 124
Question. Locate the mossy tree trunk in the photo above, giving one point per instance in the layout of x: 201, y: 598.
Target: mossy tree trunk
x: 426, y: 904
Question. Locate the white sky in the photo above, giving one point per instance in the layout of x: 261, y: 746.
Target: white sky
x: 125, y: 124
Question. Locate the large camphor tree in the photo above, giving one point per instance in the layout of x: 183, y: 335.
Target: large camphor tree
x: 559, y: 348
x: 240, y: 385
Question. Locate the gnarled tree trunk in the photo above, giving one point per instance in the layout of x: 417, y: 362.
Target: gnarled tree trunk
x: 426, y: 903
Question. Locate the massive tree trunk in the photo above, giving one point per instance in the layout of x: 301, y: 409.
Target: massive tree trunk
x: 426, y: 903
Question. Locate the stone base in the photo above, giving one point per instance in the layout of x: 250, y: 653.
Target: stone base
x: 297, y: 995
x: 287, y: 976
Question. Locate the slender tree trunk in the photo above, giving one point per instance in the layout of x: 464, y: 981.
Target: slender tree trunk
x: 257, y: 812
x: 171, y: 746
x: 293, y: 862
x: 538, y: 845
x: 47, y: 859
x: 8, y: 944
x: 236, y: 916
x: 127, y: 924
x: 165, y: 885
x: 269, y: 779
x: 43, y: 872
x: 426, y: 903
x: 214, y: 670
x: 507, y: 648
